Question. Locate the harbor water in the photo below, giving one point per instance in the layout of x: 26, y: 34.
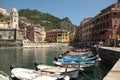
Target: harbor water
x: 25, y: 58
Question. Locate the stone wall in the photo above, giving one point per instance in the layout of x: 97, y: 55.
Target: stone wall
x: 11, y: 43
x: 109, y: 57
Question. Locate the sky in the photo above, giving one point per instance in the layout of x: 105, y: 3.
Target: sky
x: 75, y: 10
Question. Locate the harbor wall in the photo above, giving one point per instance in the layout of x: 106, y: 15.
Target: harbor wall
x: 109, y: 57
x: 45, y: 45
x: 11, y: 43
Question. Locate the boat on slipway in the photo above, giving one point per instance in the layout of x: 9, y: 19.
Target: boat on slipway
x: 73, y: 73
x: 29, y: 74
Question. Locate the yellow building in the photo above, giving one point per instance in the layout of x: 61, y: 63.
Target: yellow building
x: 63, y: 36
x: 3, y: 25
x: 58, y: 35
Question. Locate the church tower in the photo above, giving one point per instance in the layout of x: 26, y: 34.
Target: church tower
x: 14, y: 18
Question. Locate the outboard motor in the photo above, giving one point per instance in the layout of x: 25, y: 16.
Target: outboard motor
x: 60, y: 56
x: 12, y: 66
x: 56, y: 58
x: 67, y: 51
x: 36, y: 64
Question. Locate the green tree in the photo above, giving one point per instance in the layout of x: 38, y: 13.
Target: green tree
x: 49, y: 40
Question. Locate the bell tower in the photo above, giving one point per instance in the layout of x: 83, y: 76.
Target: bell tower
x: 14, y: 18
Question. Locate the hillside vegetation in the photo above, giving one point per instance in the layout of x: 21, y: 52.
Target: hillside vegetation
x: 4, y: 17
x: 45, y: 19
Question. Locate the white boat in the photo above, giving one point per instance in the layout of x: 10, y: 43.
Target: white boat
x: 82, y: 67
x: 85, y: 62
x: 29, y: 74
x: 73, y: 73
x: 3, y: 76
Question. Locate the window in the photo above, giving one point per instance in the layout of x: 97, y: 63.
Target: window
x: 103, y: 25
x: 107, y: 24
x: 118, y: 6
x: 115, y: 14
x: 0, y: 36
x: 115, y: 23
x: 14, y: 20
x: 16, y: 25
x: 106, y: 16
x: 9, y: 37
x: 59, y: 34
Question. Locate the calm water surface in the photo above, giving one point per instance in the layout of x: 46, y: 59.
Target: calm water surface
x: 25, y: 57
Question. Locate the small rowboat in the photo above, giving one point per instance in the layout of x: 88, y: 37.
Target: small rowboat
x: 84, y: 62
x: 73, y: 73
x: 82, y: 67
x: 78, y: 52
x: 29, y: 74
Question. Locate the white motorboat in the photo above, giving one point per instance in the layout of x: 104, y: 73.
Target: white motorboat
x: 73, y: 73
x: 29, y: 74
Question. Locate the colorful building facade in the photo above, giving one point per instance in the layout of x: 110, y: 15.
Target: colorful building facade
x: 85, y: 32
x: 58, y: 35
x: 4, y: 24
x: 34, y: 33
x: 106, y: 23
x: 104, y: 26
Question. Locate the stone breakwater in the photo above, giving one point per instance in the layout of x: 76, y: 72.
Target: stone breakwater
x: 46, y: 45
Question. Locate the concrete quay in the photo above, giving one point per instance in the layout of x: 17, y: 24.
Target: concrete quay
x: 114, y: 74
x: 111, y: 48
x: 114, y: 54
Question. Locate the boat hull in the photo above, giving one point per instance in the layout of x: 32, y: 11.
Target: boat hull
x: 71, y: 72
x: 83, y: 68
x: 29, y: 74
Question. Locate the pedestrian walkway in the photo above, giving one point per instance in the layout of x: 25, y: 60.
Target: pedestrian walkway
x: 114, y: 74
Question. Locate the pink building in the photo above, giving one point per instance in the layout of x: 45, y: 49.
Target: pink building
x: 85, y: 32
x: 4, y: 11
x: 33, y: 33
x: 106, y: 24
